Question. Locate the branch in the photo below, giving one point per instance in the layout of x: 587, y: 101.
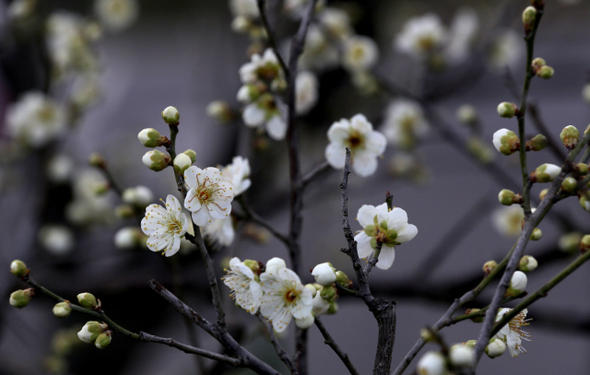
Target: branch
x: 254, y: 217
x: 270, y: 36
x: 328, y: 340
x: 277, y: 345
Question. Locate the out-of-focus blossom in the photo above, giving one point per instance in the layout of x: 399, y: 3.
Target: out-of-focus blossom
x: 116, y: 15
x: 404, y: 123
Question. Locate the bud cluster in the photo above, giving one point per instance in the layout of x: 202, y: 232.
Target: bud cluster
x: 95, y: 333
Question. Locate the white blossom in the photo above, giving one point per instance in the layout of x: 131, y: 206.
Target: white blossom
x: 245, y: 288
x: 284, y: 297
x: 319, y: 305
x: 506, y: 50
x: 511, y: 333
x: 462, y: 34
x: 360, y: 53
x: 266, y: 113
x: 364, y: 143
x: 431, y: 363
x: 306, y: 92
x: 91, y: 331
x: 139, y: 196
x: 390, y: 227
x: 404, y: 123
x: 35, y: 119
x: 57, y: 239
x: 208, y: 197
x: 127, y: 238
x: 508, y: 220
x: 319, y: 53
x: 275, y: 264
x: 421, y: 35
x: 336, y: 22
x: 265, y: 68
x: 220, y: 231
x: 238, y: 174
x: 324, y: 274
x: 59, y: 168
x: 248, y: 8
x: 461, y: 355
x: 165, y: 226
x: 116, y: 15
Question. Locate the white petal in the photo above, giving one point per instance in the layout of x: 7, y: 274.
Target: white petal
x: 409, y: 232
x: 364, y: 163
x: 335, y: 155
x: 366, y: 215
x: 276, y: 128
x: 386, y: 257
x: 363, y: 245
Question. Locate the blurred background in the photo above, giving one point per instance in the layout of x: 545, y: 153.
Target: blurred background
x: 186, y: 54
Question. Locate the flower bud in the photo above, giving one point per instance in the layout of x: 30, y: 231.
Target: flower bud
x: 581, y: 168
x: 538, y: 143
x: 328, y: 293
x: 324, y: 274
x: 156, y: 160
x: 461, y: 355
x: 467, y: 114
x: 517, y: 284
x: 489, y: 266
x: 480, y: 150
x: 150, y: 137
x: 527, y: 263
x: 426, y: 335
x: 312, y: 289
x: 536, y: 235
x: 62, y: 309
x: 506, y: 141
x: 319, y: 305
x: 545, y: 173
x: 507, y: 109
x: 181, y: 163
x: 528, y: 17
x: 170, y: 115
x: 569, y: 242
x: 569, y: 184
x: 475, y: 319
x: 537, y: 63
x: 140, y: 196
x: 275, y: 264
x: 585, y: 202
x: 305, y: 322
x: 431, y: 363
x: 545, y: 72
x: 220, y: 111
x: 585, y: 243
x: 91, y: 330
x: 87, y: 300
x: 191, y: 154
x: 333, y: 308
x: 21, y: 297
x: 508, y: 197
x: 96, y: 160
x: 543, y: 193
x: 18, y: 268
x: 495, y: 348
x: 127, y: 238
x: 569, y: 136
x: 342, y: 279
x: 103, y: 340
x: 253, y: 265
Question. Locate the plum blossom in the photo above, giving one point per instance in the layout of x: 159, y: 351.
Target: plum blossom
x: 421, y: 36
x: 165, y: 226
x: 511, y: 333
x: 244, y: 284
x: 208, y: 197
x: 364, y: 143
x: 238, y: 174
x: 404, y: 123
x: 390, y: 227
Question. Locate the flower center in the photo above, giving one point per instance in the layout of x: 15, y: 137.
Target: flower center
x: 355, y: 140
x: 291, y: 295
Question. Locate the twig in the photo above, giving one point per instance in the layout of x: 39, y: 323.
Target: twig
x: 371, y: 263
x: 277, y: 345
x: 254, y: 217
x: 318, y: 170
x: 328, y: 340
x: 270, y: 36
x: 555, y: 148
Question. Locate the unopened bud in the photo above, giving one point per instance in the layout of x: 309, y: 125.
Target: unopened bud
x: 181, y: 163
x: 543, y: 193
x: 507, y: 109
x: 220, y: 111
x: 62, y: 309
x: 545, y: 72
x: 191, y: 154
x: 569, y: 242
x: 537, y: 63
x: 508, y: 197
x: 150, y: 137
x: 527, y: 263
x: 91, y: 330
x: 18, y: 268
x: 461, y: 356
x: 426, y: 335
x: 103, y: 339
x: 528, y: 17
x: 305, y: 322
x: 342, y: 279
x: 517, y: 284
x: 495, y: 348
x: 536, y: 235
x: 586, y: 93
x: 569, y: 184
x: 324, y: 274
x: 467, y: 114
x: 431, y: 363
x: 489, y: 266
x: 253, y: 265
x: 506, y: 141
x: 96, y: 160
x: 155, y: 160
x: 569, y: 136
x: 585, y: 243
x: 480, y: 150
x: 328, y: 293
x: 21, y: 297
x: 545, y: 173
x: 538, y: 143
x: 124, y: 211
x: 87, y: 300
x: 585, y: 202
x: 581, y: 168
x: 170, y: 115
x: 475, y: 319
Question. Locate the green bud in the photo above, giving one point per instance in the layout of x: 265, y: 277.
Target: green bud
x: 543, y: 193
x: 328, y: 293
x: 191, y: 154
x: 585, y: 243
x: 124, y: 211
x: 508, y: 197
x: 91, y: 330
x: 569, y: 242
x: 489, y: 266
x: 96, y: 160
x: 170, y: 115
x: 536, y: 235
x: 480, y: 150
x: 181, y: 163
x: 21, y: 297
x: 150, y: 137
x: 87, y: 301
x: 507, y: 109
x: 537, y: 63
x: 62, y: 309
x: 18, y: 268
x: 569, y: 136
x: 475, y: 319
x: 528, y: 17
x: 545, y: 72
x: 103, y: 340
x: 569, y: 184
x: 581, y: 168
x: 253, y: 265
x: 527, y: 263
x: 585, y: 202
x: 342, y: 279
x: 333, y: 309
x: 545, y: 173
x: 426, y: 335
x: 538, y: 143
x: 156, y: 160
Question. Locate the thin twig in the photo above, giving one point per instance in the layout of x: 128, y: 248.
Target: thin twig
x: 277, y: 345
x: 254, y: 217
x: 556, y: 148
x: 328, y: 340
x: 270, y: 36
x: 317, y: 171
